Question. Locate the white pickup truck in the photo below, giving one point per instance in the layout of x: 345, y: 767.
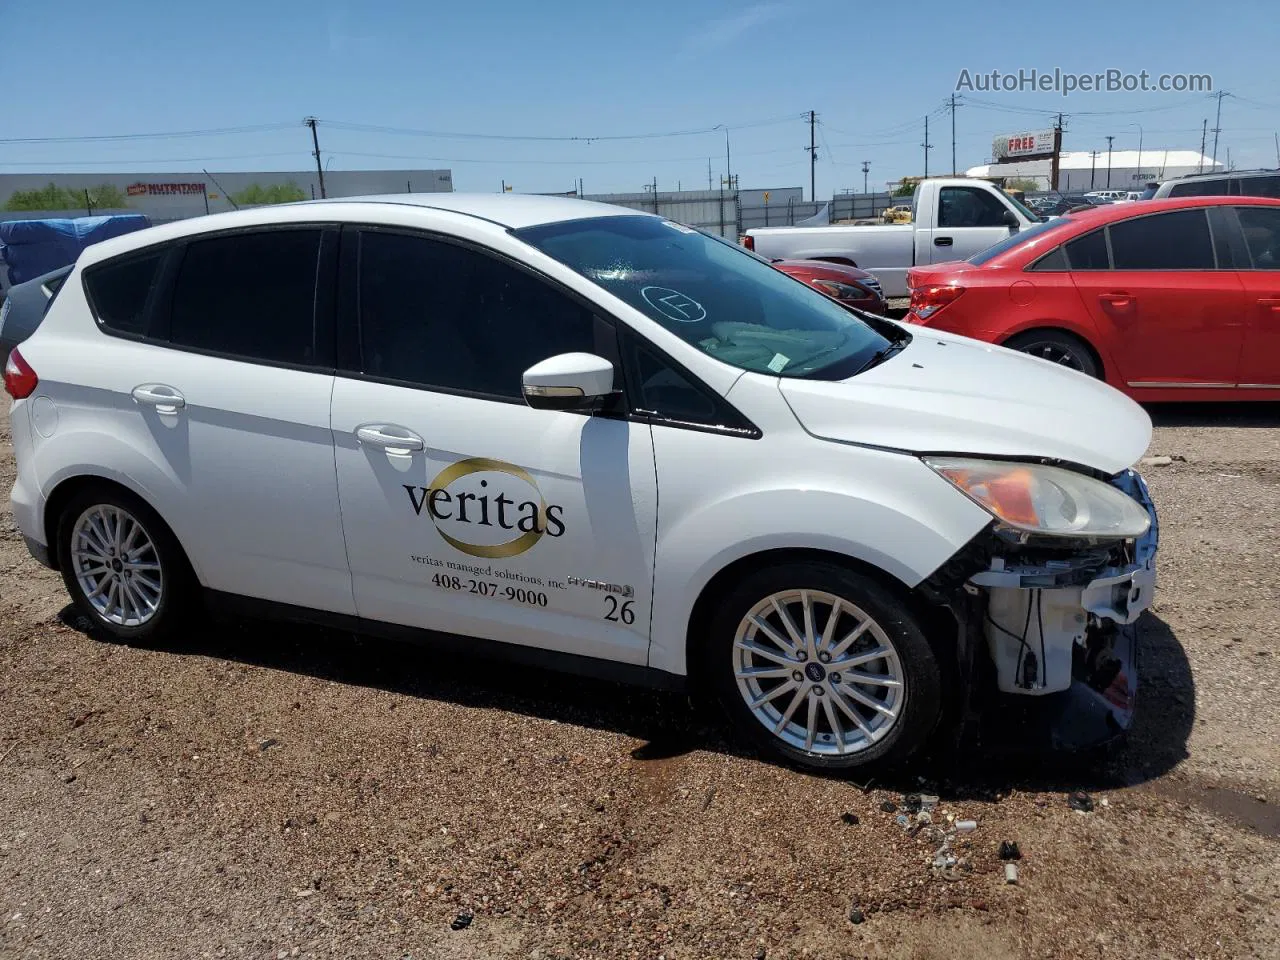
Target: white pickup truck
x: 952, y: 219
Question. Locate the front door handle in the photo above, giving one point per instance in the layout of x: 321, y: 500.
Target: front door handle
x: 393, y: 439
x: 163, y: 398
x: 942, y: 241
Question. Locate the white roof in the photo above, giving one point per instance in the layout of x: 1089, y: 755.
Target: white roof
x: 1152, y: 159
x: 513, y: 210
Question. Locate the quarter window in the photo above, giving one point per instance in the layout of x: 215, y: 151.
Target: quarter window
x: 119, y: 291
x: 445, y: 316
x: 1261, y: 226
x: 1257, y: 186
x: 1165, y: 241
x: 1200, y: 188
x: 967, y: 207
x: 251, y: 296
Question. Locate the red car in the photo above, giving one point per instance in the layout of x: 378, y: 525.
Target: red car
x: 1164, y: 299
x: 849, y: 286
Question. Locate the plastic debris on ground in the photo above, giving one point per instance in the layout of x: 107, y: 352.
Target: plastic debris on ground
x: 461, y: 921
x: 856, y: 916
x: 849, y: 819
x: 1010, y: 873
x: 1081, y: 801
x: 1009, y: 850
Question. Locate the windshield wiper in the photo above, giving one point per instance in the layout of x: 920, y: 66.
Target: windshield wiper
x: 883, y: 354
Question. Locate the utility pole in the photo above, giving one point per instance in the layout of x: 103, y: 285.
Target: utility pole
x: 655, y: 194
x: 866, y: 166
x: 1109, y: 139
x: 927, y: 146
x: 953, y: 134
x: 1277, y: 136
x: 1204, y: 131
x: 315, y: 140
x: 813, y: 156
x: 1055, y: 163
x: 580, y: 193
x: 1093, y: 166
x: 1217, y: 125
x: 708, y: 173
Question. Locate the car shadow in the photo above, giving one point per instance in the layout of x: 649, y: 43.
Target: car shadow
x: 1259, y: 414
x: 670, y: 725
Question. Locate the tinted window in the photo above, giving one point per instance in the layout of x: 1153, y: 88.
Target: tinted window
x: 967, y: 207
x: 441, y: 315
x: 1088, y: 252
x: 249, y: 295
x: 1054, y: 260
x: 1257, y: 186
x: 663, y: 391
x: 713, y: 296
x: 1200, y: 188
x: 1261, y: 226
x: 118, y: 292
x: 1166, y: 241
x: 1017, y: 239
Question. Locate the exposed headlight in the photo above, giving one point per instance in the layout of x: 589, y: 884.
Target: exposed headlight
x: 1044, y: 500
x: 841, y: 291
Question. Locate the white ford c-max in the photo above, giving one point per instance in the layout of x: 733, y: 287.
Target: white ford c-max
x: 573, y: 434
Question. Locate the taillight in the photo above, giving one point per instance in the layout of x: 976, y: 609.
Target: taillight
x: 749, y: 242
x: 19, y: 379
x: 928, y: 300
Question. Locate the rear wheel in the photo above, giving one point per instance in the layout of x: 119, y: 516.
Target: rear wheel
x: 122, y: 566
x: 824, y: 667
x: 1058, y: 347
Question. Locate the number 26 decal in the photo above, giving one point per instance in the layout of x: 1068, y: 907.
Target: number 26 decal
x: 619, y: 611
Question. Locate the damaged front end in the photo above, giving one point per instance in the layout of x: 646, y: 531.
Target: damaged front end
x: 1057, y: 619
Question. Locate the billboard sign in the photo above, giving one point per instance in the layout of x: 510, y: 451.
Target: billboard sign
x: 1031, y: 145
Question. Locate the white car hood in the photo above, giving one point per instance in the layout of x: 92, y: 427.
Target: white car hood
x: 950, y: 394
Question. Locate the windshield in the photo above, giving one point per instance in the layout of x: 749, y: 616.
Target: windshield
x: 1017, y: 239
x: 1022, y: 207
x: 714, y: 295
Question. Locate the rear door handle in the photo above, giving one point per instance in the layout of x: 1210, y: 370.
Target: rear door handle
x: 164, y: 398
x: 1271, y: 303
x: 1117, y: 300
x: 393, y: 439
x: 942, y: 241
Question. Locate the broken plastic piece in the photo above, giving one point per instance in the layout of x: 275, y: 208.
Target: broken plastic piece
x: 849, y: 819
x: 856, y: 916
x: 1009, y: 850
x: 889, y: 807
x: 911, y: 803
x: 1079, y: 800
x: 461, y: 921
x: 966, y: 826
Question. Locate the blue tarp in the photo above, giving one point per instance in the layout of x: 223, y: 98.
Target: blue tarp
x: 31, y: 248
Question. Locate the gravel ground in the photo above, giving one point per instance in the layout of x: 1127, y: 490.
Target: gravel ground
x: 268, y: 792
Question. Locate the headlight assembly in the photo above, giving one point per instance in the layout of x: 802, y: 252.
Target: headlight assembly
x: 1042, y: 500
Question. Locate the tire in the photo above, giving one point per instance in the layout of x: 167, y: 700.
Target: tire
x: 155, y: 589
x: 884, y: 622
x: 1060, y: 347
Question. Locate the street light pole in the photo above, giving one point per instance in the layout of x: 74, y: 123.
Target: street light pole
x: 1140, y: 134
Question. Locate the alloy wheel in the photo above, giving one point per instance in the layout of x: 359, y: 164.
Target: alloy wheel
x: 116, y: 566
x: 1055, y: 352
x: 818, y: 672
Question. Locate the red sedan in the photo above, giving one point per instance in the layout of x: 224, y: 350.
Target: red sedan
x: 849, y: 286
x: 1164, y: 299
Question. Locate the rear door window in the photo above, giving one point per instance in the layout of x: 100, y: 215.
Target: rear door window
x: 251, y: 296
x: 119, y: 292
x: 1200, y: 188
x: 1178, y: 240
x: 1088, y: 252
x: 1261, y: 227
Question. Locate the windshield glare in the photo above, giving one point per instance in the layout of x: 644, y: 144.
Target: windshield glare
x: 1018, y: 239
x: 714, y: 295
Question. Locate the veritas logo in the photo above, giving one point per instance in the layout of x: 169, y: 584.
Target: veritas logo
x: 477, y: 504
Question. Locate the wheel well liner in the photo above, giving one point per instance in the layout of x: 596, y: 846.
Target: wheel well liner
x: 63, y: 493
x: 1050, y: 328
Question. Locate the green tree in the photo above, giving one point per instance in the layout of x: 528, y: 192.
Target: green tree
x: 904, y: 189
x: 53, y: 197
x: 1025, y: 184
x: 256, y: 195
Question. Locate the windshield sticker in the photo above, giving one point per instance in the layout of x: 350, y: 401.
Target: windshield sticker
x: 679, y: 226
x: 673, y: 304
x: 778, y: 362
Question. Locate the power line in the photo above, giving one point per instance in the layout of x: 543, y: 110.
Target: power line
x: 455, y: 135
x: 170, y: 135
x: 140, y: 162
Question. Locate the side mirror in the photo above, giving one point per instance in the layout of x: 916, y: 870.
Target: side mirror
x: 569, y: 381
x: 1010, y: 220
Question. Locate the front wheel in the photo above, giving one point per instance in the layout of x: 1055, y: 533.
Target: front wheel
x: 1057, y: 347
x: 122, y: 566
x: 824, y: 667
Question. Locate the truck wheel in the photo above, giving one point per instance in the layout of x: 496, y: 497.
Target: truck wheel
x: 823, y: 667
x: 1059, y: 347
x: 123, y: 567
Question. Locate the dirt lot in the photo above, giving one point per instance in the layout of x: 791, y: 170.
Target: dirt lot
x: 265, y: 791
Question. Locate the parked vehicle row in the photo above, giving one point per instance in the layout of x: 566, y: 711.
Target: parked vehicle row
x: 1165, y: 300
x: 573, y: 434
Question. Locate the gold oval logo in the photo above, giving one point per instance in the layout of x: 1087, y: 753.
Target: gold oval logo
x: 530, y: 518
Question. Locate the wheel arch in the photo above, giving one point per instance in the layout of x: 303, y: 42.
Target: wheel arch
x: 1057, y: 326
x: 935, y: 619
x: 68, y: 487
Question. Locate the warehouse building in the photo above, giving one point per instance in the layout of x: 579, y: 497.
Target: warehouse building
x: 1083, y: 170
x: 175, y: 196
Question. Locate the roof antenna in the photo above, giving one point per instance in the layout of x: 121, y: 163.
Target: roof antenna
x: 219, y: 186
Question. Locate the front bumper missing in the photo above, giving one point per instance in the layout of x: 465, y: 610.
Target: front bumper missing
x: 1064, y: 632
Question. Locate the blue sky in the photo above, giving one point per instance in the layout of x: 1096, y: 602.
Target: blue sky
x: 559, y: 68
